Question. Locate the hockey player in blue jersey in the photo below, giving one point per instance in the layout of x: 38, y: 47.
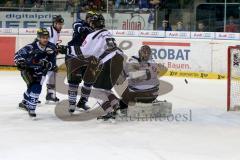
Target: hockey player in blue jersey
x: 81, y: 29
x: 34, y: 61
x: 75, y: 73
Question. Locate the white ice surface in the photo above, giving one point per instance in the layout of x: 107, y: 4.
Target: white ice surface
x: 213, y: 133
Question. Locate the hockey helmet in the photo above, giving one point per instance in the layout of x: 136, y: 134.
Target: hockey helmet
x: 97, y: 21
x: 90, y: 14
x: 42, y: 32
x: 58, y: 19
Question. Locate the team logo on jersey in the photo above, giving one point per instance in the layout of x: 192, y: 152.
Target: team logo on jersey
x: 49, y: 50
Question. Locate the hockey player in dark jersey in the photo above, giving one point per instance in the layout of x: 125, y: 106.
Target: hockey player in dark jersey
x: 34, y: 61
x: 81, y: 29
x: 75, y: 73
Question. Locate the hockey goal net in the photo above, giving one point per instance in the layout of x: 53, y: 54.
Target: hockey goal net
x: 233, y: 79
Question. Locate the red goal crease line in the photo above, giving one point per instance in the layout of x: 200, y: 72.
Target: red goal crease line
x: 167, y: 44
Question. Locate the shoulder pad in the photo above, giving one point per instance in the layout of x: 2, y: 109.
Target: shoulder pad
x: 80, y: 22
x: 51, y: 48
x: 51, y: 45
x: 29, y: 48
x: 102, y: 33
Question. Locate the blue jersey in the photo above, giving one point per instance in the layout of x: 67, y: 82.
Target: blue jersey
x: 80, y: 31
x: 33, y: 55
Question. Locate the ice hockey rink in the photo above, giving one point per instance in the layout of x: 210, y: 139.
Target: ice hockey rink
x: 212, y: 134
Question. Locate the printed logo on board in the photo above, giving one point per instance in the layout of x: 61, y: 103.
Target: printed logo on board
x: 175, y: 55
x: 135, y: 23
x: 200, y: 35
x: 204, y: 75
x: 177, y: 34
x: 130, y: 33
x: 120, y: 32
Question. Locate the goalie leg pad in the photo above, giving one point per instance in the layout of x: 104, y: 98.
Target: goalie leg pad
x: 150, y: 110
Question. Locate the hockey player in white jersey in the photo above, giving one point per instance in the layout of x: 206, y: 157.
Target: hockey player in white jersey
x: 102, y: 54
x: 54, y: 32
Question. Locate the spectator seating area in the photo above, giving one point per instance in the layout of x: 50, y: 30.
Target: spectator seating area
x: 83, y: 5
x: 160, y: 13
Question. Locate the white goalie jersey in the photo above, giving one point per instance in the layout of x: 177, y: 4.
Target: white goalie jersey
x: 142, y: 75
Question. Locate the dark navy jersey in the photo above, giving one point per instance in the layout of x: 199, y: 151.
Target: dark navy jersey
x: 80, y: 31
x: 33, y: 55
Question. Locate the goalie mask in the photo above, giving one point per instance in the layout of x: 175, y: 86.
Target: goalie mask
x: 145, y: 53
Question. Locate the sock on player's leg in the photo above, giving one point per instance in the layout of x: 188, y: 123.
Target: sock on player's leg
x: 85, y: 93
x: 34, y: 92
x: 72, y: 96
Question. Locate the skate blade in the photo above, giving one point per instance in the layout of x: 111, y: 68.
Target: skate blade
x: 71, y: 113
x: 33, y: 118
x: 110, y: 121
x: 103, y: 120
x: 82, y: 110
x: 51, y: 102
x: 23, y: 109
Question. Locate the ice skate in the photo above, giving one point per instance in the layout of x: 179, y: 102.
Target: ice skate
x: 23, y: 106
x: 51, y: 98
x: 83, y: 105
x: 71, y: 108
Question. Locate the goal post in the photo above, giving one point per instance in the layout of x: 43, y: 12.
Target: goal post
x: 233, y: 78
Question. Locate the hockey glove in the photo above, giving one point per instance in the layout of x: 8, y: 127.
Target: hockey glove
x: 61, y: 49
x: 21, y: 64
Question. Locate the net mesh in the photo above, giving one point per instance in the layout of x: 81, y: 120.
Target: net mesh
x: 234, y: 78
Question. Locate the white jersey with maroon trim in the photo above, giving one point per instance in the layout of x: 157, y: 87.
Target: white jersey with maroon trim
x: 142, y: 75
x: 100, y: 44
x: 53, y: 35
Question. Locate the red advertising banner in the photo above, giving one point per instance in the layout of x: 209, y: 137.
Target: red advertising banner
x: 7, y: 50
